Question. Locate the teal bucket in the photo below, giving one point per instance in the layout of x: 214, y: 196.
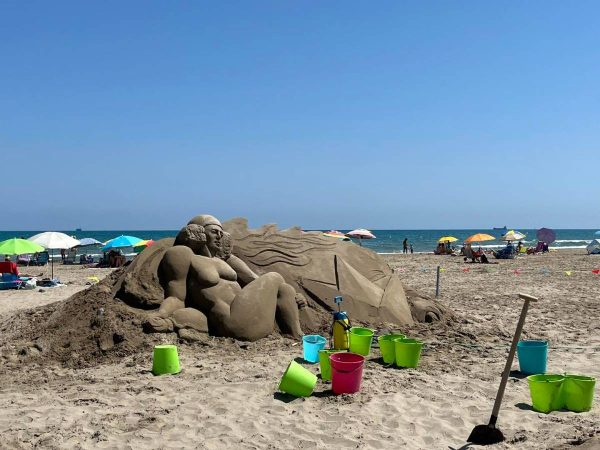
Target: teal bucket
x: 546, y: 392
x: 388, y: 348
x: 360, y: 340
x: 312, y: 344
x: 578, y: 392
x: 533, y: 356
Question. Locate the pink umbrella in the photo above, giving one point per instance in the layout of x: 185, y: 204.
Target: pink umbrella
x: 360, y: 234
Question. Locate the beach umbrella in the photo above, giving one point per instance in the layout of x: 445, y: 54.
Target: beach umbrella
x: 546, y: 235
x: 479, y: 237
x: 360, y: 234
x: 121, y: 241
x: 52, y: 240
x: 513, y: 235
x: 336, y: 234
x: 447, y: 239
x: 88, y: 241
x: 17, y: 246
x: 137, y: 248
x: 597, y: 233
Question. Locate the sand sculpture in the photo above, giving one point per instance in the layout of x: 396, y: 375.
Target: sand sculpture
x: 227, y: 280
x: 211, y: 290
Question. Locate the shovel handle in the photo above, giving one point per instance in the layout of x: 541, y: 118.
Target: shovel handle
x: 531, y: 298
x: 511, y: 354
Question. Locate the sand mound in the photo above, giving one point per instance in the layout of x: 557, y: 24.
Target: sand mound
x: 84, y: 329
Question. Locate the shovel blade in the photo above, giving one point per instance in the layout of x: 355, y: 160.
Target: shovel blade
x: 485, y: 435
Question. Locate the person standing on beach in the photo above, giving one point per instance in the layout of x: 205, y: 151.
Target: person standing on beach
x: 405, y: 245
x: 411, y: 249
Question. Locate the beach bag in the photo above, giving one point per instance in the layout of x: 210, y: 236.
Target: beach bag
x: 30, y: 283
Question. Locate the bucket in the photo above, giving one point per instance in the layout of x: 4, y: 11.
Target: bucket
x: 532, y: 356
x: 312, y: 343
x: 297, y: 380
x: 346, y: 372
x: 165, y: 360
x: 578, y: 392
x: 546, y: 392
x: 325, y: 364
x: 408, y: 352
x: 360, y: 340
x: 388, y: 348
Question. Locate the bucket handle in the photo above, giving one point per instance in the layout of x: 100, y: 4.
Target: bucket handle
x: 350, y: 371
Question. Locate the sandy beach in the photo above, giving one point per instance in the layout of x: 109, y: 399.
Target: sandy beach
x: 226, y: 396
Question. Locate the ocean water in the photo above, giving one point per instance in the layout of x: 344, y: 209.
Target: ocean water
x: 387, y: 241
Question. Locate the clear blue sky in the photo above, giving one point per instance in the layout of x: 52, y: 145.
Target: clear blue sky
x: 122, y: 114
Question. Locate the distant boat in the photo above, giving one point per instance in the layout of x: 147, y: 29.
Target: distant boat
x: 79, y: 229
x: 501, y: 228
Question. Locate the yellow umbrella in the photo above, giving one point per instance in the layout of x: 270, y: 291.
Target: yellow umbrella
x: 447, y: 239
x: 479, y: 237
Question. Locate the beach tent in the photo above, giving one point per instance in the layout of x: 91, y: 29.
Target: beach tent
x: 593, y: 247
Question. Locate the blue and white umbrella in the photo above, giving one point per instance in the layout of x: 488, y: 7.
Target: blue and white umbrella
x: 88, y: 241
x: 597, y: 233
x: 121, y: 241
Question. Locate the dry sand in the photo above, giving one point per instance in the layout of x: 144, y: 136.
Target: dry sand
x: 226, y: 396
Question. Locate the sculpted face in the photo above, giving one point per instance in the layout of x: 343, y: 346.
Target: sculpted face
x: 214, y: 239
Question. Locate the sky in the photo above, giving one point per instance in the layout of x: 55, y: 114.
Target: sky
x: 323, y: 114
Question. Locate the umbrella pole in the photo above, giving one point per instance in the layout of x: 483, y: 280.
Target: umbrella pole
x: 360, y: 241
x: 52, y: 264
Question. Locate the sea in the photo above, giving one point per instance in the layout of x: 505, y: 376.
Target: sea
x: 386, y: 241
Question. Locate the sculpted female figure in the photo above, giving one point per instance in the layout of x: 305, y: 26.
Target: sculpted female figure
x: 210, y: 290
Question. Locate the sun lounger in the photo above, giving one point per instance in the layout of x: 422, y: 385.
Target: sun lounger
x: 507, y: 252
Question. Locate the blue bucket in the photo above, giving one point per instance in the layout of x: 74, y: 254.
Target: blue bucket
x: 532, y: 356
x: 312, y: 343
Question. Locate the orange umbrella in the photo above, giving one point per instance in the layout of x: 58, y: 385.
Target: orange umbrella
x: 479, y: 237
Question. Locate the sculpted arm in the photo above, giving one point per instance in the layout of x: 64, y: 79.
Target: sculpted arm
x: 244, y: 273
x: 174, y: 269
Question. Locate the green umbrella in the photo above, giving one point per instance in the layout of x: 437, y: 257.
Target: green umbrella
x: 16, y: 246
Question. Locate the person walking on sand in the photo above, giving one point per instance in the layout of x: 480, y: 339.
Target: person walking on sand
x: 405, y: 245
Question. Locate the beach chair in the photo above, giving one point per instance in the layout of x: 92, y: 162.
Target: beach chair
x: 507, y: 252
x: 9, y: 279
x: 70, y: 258
x: 41, y: 259
x: 24, y: 260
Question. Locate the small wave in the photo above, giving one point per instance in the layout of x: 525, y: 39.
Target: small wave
x: 567, y: 241
x: 566, y: 247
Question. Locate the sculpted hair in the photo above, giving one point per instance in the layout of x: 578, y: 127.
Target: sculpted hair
x: 191, y: 236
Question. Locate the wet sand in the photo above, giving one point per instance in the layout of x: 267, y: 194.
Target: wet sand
x: 226, y: 396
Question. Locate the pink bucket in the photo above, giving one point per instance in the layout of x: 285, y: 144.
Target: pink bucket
x: 346, y: 372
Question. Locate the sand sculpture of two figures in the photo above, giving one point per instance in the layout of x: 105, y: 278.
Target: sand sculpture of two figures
x: 203, y: 282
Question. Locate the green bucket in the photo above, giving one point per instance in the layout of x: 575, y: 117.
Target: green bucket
x: 297, y: 381
x: 578, y: 392
x: 325, y: 364
x: 408, y: 352
x: 360, y: 340
x: 546, y: 392
x: 388, y: 348
x: 165, y: 360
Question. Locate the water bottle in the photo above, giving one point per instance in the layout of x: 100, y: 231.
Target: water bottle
x: 341, y: 325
